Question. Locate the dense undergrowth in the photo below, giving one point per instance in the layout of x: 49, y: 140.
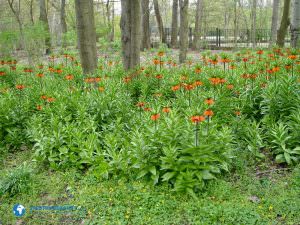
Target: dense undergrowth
x: 180, y: 125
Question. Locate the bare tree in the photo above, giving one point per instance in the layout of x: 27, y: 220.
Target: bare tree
x: 253, y: 23
x: 159, y: 22
x: 274, y: 26
x: 174, y: 31
x: 146, y: 25
x: 44, y: 19
x: 285, y: 22
x: 63, y: 22
x: 86, y: 35
x: 295, y: 24
x: 130, y: 25
x: 197, y: 32
x: 184, y: 29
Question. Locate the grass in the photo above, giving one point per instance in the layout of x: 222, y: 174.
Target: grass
x: 272, y: 198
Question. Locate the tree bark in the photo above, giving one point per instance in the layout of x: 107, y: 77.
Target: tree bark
x: 31, y: 12
x: 86, y: 35
x: 44, y: 19
x: 235, y: 31
x: 295, y: 24
x: 130, y: 25
x: 174, y: 31
x: 63, y: 23
x: 274, y: 26
x: 253, y: 23
x: 184, y: 30
x: 285, y: 22
x: 197, y: 32
x: 159, y: 22
x: 146, y: 25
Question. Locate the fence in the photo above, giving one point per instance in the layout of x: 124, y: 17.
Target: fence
x: 216, y: 38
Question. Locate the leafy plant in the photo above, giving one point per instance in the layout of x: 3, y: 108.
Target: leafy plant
x: 16, y: 181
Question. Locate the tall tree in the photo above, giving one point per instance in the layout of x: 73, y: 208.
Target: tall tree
x: 130, y: 25
x: 295, y: 24
x: 253, y: 23
x: 285, y: 22
x: 85, y: 23
x: 159, y: 22
x: 274, y: 26
x: 197, y: 32
x: 145, y: 25
x: 184, y: 29
x: 44, y: 19
x: 63, y: 22
x: 174, y: 31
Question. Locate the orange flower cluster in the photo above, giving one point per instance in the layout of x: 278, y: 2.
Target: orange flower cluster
x: 197, y: 119
x: 92, y: 79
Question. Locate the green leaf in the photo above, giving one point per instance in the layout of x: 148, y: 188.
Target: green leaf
x: 142, y: 173
x: 287, y: 158
x: 206, y: 175
x: 152, y: 169
x: 280, y: 158
x: 167, y: 176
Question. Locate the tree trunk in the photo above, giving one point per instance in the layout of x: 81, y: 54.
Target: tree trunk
x: 159, y: 22
x: 184, y: 30
x: 285, y: 22
x: 146, y: 25
x: 130, y: 25
x: 43, y: 18
x: 63, y: 23
x: 274, y: 25
x: 112, y: 32
x: 253, y: 23
x: 235, y: 31
x: 31, y: 12
x: 295, y: 24
x: 197, y: 32
x: 86, y: 35
x: 174, y: 31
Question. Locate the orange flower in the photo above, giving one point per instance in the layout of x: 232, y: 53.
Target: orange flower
x: 245, y: 59
x: 160, y: 53
x: 176, y: 88
x: 97, y: 79
x: 44, y: 97
x: 292, y: 57
x: 166, y: 110
x: 147, y: 109
x: 198, y: 70
x: 20, y: 86
x: 230, y: 86
x: 209, y: 101
x: 156, y: 61
x: 189, y: 87
x: 2, y: 73
x: 276, y: 69
x: 50, y: 99
x: 69, y: 77
x: 197, y: 119
x: 126, y: 79
x: 140, y: 104
x: 208, y: 112
x: 260, y: 52
x: 39, y: 107
x: 159, y: 76
x: 237, y: 113
x: 155, y: 116
x: 198, y: 83
x: 40, y: 75
x: 101, y: 89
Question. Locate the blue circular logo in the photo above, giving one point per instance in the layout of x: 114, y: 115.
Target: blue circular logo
x: 19, y: 210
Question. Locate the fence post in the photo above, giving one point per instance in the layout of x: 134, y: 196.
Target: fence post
x: 217, y: 37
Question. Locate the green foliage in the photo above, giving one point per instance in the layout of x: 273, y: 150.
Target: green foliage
x: 16, y: 181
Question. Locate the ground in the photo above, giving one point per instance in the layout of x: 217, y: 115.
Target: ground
x: 265, y: 197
